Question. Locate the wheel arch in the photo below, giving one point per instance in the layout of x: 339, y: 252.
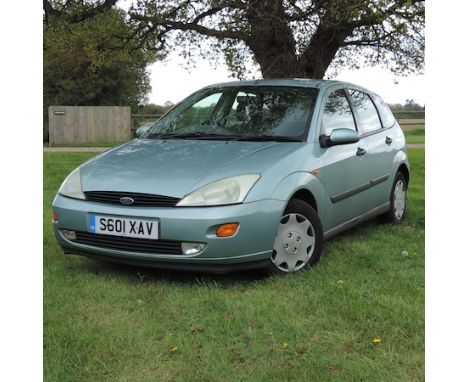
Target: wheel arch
x: 403, y: 168
x: 306, y: 196
x: 400, y: 163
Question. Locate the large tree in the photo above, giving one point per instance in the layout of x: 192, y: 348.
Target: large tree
x: 289, y: 38
x: 89, y: 57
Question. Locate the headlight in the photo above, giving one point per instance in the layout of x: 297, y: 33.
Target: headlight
x: 225, y: 191
x: 71, y: 186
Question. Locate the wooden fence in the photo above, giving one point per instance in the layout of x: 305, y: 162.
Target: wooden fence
x: 410, y: 119
x: 81, y: 125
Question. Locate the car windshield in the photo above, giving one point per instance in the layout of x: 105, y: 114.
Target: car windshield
x: 240, y: 112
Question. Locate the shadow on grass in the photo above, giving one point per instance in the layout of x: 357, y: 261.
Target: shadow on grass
x: 138, y: 274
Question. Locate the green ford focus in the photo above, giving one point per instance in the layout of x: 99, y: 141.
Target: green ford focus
x: 240, y: 175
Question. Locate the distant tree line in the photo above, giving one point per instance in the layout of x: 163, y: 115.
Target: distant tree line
x: 152, y: 108
x: 407, y: 110
x: 409, y: 105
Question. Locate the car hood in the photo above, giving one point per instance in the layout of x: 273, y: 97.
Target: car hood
x: 176, y: 167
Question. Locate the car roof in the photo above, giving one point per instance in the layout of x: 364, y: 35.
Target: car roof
x: 300, y: 82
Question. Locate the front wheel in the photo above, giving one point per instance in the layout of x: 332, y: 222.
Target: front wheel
x: 397, y: 209
x: 299, y: 240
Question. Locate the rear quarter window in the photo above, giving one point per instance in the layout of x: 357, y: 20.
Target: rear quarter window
x: 386, y: 115
x: 366, y: 111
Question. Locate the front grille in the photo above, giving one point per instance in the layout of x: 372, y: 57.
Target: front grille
x: 129, y: 244
x: 141, y: 200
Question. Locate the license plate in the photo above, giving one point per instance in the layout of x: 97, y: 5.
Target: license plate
x: 123, y: 226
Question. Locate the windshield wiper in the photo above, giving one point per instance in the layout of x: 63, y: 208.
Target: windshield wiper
x: 191, y: 136
x: 260, y: 138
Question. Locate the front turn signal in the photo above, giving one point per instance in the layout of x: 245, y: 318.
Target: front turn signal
x: 227, y: 230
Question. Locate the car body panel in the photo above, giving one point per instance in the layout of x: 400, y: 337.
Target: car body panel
x: 380, y: 155
x: 299, y: 181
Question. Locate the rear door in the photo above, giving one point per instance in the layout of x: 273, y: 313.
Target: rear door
x: 344, y: 171
x: 379, y: 141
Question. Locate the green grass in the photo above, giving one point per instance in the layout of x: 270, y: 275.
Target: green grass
x: 98, y: 144
x: 106, y: 322
x: 415, y: 135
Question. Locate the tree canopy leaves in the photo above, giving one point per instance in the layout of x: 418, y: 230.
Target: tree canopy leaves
x: 89, y: 57
x: 289, y: 38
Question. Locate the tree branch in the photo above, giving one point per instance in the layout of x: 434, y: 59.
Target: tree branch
x: 375, y: 18
x: 49, y: 10
x: 192, y: 26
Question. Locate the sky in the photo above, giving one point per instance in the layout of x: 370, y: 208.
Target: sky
x: 171, y: 82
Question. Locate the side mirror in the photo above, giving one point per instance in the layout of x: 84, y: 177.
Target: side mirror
x: 339, y: 137
x: 142, y: 130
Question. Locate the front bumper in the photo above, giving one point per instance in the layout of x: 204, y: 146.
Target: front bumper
x: 250, y: 247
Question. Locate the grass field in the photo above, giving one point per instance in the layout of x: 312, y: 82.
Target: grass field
x: 415, y: 135
x: 99, y: 144
x: 106, y: 322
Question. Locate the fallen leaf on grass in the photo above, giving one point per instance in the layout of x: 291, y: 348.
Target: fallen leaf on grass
x: 376, y: 340
x: 333, y: 369
x: 317, y: 337
x: 340, y: 282
x: 174, y: 349
x: 196, y: 329
x: 285, y: 345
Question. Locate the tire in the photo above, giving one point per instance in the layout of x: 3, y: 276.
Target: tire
x: 396, y: 213
x: 299, y: 240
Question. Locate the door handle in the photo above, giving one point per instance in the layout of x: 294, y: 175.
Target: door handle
x: 360, y: 152
x: 388, y: 140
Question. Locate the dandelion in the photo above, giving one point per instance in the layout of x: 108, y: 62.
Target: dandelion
x: 376, y: 340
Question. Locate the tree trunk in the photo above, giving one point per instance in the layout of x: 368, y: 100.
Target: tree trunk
x: 322, y: 49
x: 271, y: 40
x: 273, y: 45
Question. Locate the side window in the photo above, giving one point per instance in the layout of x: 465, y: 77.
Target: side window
x: 386, y: 114
x: 337, y: 113
x: 366, y: 111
